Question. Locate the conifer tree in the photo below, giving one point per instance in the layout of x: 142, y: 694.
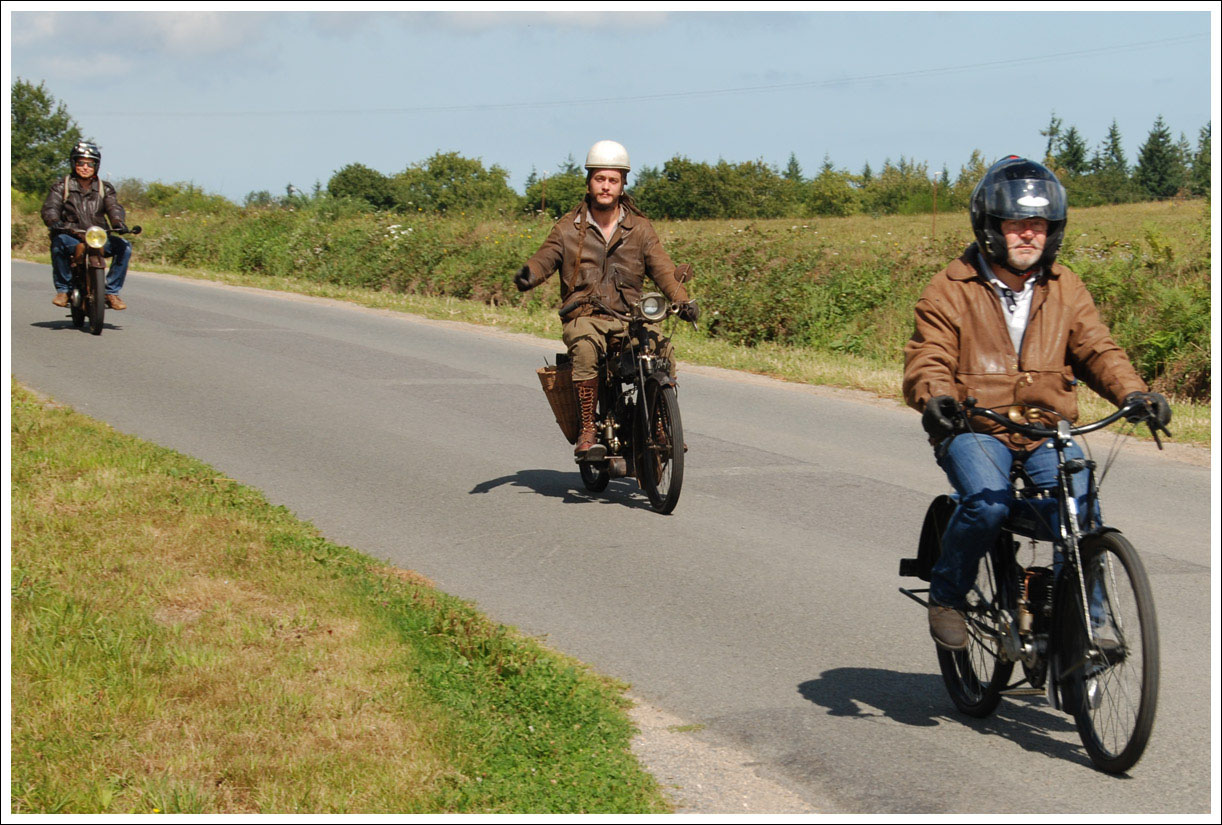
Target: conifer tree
x: 1159, y: 171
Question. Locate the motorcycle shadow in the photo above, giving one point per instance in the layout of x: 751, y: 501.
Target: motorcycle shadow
x: 568, y: 487
x: 66, y: 324
x: 920, y: 700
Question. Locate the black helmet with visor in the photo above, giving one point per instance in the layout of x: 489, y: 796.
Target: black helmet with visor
x: 1015, y: 188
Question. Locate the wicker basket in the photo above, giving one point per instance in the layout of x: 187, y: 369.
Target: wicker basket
x: 558, y: 387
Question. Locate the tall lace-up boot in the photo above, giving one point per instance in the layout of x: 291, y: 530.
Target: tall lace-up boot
x: 588, y: 448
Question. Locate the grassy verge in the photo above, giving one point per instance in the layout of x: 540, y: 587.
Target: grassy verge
x: 181, y: 646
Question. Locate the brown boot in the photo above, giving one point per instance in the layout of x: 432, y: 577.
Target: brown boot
x: 588, y: 448
x: 115, y: 302
x: 60, y: 299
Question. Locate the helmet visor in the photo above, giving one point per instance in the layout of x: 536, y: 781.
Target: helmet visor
x: 1025, y: 198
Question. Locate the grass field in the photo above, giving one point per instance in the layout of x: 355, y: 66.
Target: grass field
x: 181, y: 646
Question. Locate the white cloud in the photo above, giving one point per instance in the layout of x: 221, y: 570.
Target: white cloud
x: 198, y: 32
x: 32, y: 27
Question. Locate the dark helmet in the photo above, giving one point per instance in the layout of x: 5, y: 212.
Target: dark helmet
x: 1015, y: 188
x: 87, y: 150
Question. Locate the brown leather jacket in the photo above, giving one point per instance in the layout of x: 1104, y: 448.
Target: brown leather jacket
x: 961, y: 347
x: 613, y: 274
x: 78, y: 208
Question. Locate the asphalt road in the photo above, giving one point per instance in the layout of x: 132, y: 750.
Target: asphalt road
x: 765, y: 608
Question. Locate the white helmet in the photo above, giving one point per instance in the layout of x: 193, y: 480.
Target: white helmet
x: 607, y: 154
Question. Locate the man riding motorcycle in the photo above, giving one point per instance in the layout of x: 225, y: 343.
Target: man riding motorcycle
x: 1008, y: 325
x: 604, y: 248
x: 74, y: 204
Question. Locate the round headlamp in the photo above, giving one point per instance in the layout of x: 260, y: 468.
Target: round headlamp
x: 95, y: 236
x: 653, y: 306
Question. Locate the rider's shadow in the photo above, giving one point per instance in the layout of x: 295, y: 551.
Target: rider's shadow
x: 66, y: 324
x: 920, y: 700
x: 568, y: 487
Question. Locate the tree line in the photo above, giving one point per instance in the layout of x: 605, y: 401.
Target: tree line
x: 449, y: 183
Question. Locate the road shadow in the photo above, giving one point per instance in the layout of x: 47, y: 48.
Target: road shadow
x: 66, y: 324
x: 568, y: 487
x: 920, y: 700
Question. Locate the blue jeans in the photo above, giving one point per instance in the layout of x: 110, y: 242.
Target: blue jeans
x: 978, y: 467
x: 118, y: 250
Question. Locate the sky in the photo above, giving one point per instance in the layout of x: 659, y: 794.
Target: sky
x: 242, y: 101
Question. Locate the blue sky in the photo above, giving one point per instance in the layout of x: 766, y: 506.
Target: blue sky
x: 244, y: 101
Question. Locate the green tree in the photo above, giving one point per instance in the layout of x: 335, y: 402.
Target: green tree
x: 1072, y: 155
x: 555, y: 194
x: 1159, y: 172
x: 1201, y: 166
x: 359, y: 182
x: 449, y: 183
x: 832, y: 192
x: 793, y: 171
x: 1053, y: 133
x: 43, y: 134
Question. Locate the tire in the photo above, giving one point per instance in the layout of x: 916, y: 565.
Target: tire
x: 596, y: 480
x: 976, y: 676
x: 97, y: 299
x: 661, y: 449
x: 76, y: 306
x: 1112, y: 688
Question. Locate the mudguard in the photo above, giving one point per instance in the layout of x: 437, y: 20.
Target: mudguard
x: 1068, y: 609
x: 929, y: 546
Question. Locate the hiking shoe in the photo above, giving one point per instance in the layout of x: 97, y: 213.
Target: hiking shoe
x: 947, y: 627
x: 60, y: 299
x: 115, y: 302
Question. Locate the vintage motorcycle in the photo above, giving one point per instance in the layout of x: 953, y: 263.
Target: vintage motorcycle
x: 87, y: 293
x: 637, y: 417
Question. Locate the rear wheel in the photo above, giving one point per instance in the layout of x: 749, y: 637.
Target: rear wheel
x: 976, y: 676
x: 661, y: 449
x: 97, y: 299
x: 1113, y: 675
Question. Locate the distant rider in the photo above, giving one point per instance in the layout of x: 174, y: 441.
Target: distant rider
x: 604, y: 248
x: 1009, y: 326
x: 74, y: 204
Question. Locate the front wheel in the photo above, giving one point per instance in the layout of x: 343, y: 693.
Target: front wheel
x: 661, y: 450
x: 76, y: 306
x: 97, y: 299
x: 1113, y: 675
x: 976, y: 675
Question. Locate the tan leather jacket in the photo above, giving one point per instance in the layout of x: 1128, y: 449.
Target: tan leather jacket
x: 612, y: 273
x: 961, y: 347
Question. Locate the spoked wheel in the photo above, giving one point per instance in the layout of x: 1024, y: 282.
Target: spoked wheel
x: 661, y: 450
x: 976, y: 676
x: 97, y: 299
x: 1113, y: 679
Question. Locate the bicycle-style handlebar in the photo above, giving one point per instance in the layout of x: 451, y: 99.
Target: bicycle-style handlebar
x: 1034, y: 431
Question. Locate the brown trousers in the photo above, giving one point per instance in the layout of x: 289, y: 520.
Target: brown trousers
x: 586, y: 338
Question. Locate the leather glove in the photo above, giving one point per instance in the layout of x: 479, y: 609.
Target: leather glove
x: 939, y: 416
x: 1155, y: 402
x: 522, y: 279
x: 689, y: 312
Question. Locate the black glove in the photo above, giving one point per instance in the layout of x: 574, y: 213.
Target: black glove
x: 1154, y: 402
x: 522, y: 279
x: 689, y: 312
x: 939, y: 416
